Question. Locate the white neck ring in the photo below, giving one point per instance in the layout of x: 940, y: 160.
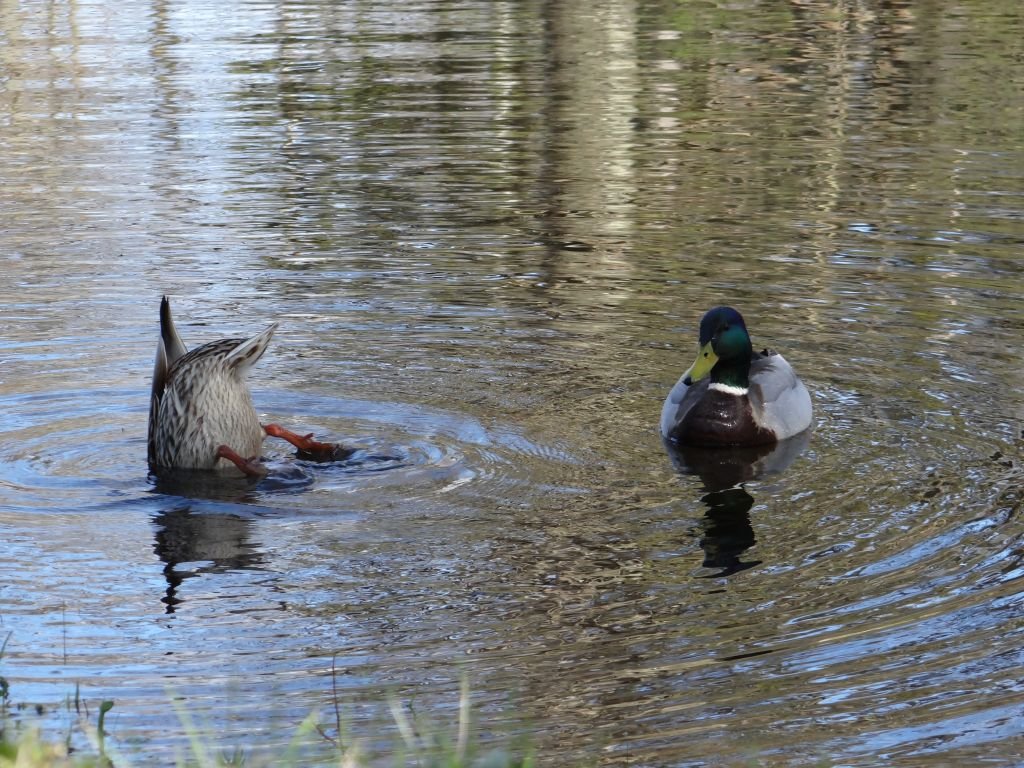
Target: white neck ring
x: 727, y: 388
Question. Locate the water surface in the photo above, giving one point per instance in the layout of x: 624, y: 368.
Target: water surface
x: 488, y: 231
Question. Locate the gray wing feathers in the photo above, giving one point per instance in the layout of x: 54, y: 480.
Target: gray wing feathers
x: 679, y: 401
x: 779, y: 399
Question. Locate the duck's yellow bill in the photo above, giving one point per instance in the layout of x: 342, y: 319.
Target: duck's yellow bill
x: 706, y: 359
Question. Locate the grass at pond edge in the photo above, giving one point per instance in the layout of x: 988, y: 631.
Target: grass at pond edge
x: 23, y: 745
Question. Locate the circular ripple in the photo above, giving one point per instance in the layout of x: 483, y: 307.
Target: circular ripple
x: 72, y: 451
x: 415, y: 450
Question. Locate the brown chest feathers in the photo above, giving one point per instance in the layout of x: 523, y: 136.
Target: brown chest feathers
x: 720, y: 418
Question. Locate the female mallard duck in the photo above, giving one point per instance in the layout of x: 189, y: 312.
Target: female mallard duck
x: 201, y: 414
x: 749, y: 398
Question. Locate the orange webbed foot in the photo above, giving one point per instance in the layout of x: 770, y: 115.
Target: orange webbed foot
x: 251, y: 467
x: 308, y: 448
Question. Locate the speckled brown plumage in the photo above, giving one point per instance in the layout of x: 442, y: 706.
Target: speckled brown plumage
x: 200, y: 402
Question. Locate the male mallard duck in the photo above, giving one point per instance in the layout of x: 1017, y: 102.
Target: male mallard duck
x: 749, y: 398
x: 201, y: 414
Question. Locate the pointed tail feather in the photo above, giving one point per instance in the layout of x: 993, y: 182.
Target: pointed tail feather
x: 245, y: 355
x: 174, y: 347
x: 169, y: 347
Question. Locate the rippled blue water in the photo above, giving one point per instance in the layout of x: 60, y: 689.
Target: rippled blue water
x: 488, y: 231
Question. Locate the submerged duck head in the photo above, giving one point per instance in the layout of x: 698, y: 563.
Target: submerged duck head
x: 724, y: 349
x: 201, y: 414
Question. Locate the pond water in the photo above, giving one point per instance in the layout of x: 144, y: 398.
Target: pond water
x: 488, y: 231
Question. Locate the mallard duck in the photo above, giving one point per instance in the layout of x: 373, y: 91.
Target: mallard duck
x: 201, y: 414
x: 731, y: 395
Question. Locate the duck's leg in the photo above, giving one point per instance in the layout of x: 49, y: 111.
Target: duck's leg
x: 250, y: 467
x: 307, y: 447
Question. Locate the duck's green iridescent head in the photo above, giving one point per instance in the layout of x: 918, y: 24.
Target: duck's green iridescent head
x: 725, y: 349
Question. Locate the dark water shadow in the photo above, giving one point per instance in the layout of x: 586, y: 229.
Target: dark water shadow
x: 216, y: 538
x: 728, y: 532
x: 207, y: 543
x: 211, y: 486
x: 204, y: 524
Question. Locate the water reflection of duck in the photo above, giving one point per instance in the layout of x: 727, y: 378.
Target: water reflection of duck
x: 723, y: 468
x: 209, y: 542
x: 201, y: 414
x: 728, y: 532
x: 732, y: 395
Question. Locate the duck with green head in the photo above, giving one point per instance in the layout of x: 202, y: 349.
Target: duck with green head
x: 733, y: 396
